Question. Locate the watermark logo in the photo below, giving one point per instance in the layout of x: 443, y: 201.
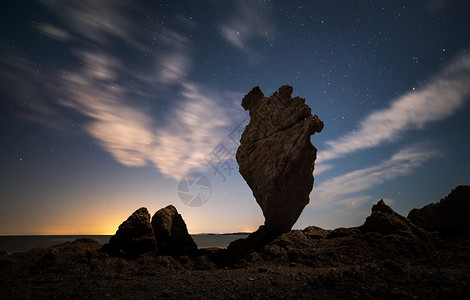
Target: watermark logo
x: 194, y: 189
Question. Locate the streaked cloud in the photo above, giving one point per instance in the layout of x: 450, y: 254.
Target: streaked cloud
x: 248, y: 22
x: 94, y: 20
x: 173, y: 67
x: 321, y: 167
x: 54, y: 32
x: 190, y: 132
x: 111, y: 94
x: 121, y: 129
x: 435, y: 101
x: 343, y: 188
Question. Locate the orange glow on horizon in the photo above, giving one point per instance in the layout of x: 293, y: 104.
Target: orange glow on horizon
x: 107, y: 224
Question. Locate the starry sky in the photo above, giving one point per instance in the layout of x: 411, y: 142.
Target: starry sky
x: 107, y: 105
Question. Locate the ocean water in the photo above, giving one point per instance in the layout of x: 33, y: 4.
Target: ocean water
x: 12, y: 244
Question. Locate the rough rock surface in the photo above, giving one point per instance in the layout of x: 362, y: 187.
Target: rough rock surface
x: 276, y: 157
x: 385, y: 221
x: 134, y: 236
x: 385, y: 235
x: 171, y: 233
x: 450, y: 216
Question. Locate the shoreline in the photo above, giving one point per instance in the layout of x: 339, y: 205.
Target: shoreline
x: 20, y: 243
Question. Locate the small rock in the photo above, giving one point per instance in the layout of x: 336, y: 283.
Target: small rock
x: 171, y: 233
x: 134, y: 236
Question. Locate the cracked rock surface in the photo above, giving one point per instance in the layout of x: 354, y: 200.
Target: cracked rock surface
x: 276, y: 157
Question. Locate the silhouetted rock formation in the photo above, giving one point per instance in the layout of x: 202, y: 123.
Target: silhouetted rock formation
x: 450, y: 216
x: 276, y: 156
x: 171, y: 233
x: 254, y: 241
x: 385, y: 221
x: 386, y: 258
x: 385, y: 236
x: 133, y: 237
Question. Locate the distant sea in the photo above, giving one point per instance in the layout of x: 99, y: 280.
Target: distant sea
x: 12, y: 244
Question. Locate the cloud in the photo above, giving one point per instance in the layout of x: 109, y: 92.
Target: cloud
x: 110, y: 93
x: 54, y: 32
x: 436, y: 101
x: 191, y: 130
x: 94, y: 20
x: 102, y: 23
x: 173, y: 67
x: 24, y: 83
x: 340, y: 189
x: 247, y: 22
x: 353, y: 202
x: 320, y: 168
x: 121, y: 129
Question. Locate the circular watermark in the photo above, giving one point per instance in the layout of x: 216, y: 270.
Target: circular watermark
x: 194, y: 189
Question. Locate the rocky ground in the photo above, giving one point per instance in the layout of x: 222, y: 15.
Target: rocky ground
x: 337, y: 267
x: 387, y: 257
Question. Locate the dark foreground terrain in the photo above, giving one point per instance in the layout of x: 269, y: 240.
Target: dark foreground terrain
x: 387, y: 257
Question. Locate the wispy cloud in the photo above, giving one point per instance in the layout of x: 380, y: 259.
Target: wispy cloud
x: 191, y: 133
x: 122, y: 130
x: 248, y: 22
x: 54, y: 32
x: 94, y: 21
x: 341, y: 189
x: 192, y: 128
x: 174, y: 67
x: 436, y: 101
x: 110, y: 93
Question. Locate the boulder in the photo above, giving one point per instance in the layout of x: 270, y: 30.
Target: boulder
x: 134, y: 236
x: 450, y: 216
x: 315, y: 232
x: 255, y: 241
x: 385, y: 221
x: 276, y: 157
x: 171, y: 233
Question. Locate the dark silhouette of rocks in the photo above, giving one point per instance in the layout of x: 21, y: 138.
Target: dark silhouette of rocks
x: 385, y: 221
x: 450, y: 216
x: 254, y: 241
x: 388, y: 257
x: 385, y: 236
x: 134, y: 236
x: 276, y: 157
x: 171, y: 233
x: 166, y: 232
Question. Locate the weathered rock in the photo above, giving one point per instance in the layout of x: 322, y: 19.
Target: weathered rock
x: 343, y: 232
x: 171, y: 233
x: 134, y: 236
x: 276, y: 157
x: 315, y: 232
x: 254, y: 241
x: 385, y: 221
x: 450, y: 216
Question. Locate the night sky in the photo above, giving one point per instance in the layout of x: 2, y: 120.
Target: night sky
x: 106, y: 105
